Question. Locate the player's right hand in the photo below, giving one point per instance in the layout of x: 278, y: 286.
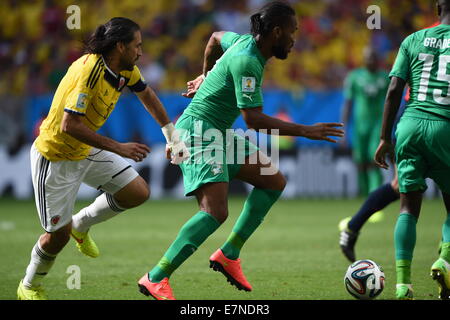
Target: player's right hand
x: 322, y: 131
x: 192, y: 86
x: 133, y: 150
x: 385, y: 148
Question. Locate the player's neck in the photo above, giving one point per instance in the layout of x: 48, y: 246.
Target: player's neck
x: 264, y: 47
x: 445, y: 19
x: 113, y: 63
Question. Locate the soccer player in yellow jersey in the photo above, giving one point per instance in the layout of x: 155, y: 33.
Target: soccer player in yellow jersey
x: 68, y: 151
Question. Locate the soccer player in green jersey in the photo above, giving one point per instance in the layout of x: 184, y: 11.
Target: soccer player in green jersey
x: 231, y: 86
x: 422, y: 149
x: 364, y: 92
x: 377, y: 200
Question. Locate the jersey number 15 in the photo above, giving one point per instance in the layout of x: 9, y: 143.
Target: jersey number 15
x: 442, y: 75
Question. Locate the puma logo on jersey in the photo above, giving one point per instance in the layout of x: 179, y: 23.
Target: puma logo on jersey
x: 247, y: 96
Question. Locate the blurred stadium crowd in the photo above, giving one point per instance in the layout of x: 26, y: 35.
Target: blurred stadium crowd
x: 36, y: 47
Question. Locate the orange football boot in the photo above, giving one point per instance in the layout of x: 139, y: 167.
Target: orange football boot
x: 159, y: 291
x: 231, y: 269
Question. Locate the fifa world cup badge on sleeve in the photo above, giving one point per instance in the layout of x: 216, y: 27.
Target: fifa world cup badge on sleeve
x: 81, y: 102
x: 248, y: 84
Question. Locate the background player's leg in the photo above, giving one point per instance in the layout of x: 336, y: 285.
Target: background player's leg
x: 267, y: 189
x: 212, y: 200
x: 405, y: 234
x: 376, y: 201
x: 374, y: 177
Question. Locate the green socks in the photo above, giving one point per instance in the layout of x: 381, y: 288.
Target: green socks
x: 197, y: 229
x: 405, y: 241
x: 193, y: 233
x: 255, y: 209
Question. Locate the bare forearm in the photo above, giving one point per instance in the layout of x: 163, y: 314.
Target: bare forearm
x: 154, y: 106
x: 263, y: 121
x: 391, y: 106
x: 213, y: 51
x: 81, y: 132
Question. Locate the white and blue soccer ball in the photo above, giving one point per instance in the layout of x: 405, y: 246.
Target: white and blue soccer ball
x: 364, y: 279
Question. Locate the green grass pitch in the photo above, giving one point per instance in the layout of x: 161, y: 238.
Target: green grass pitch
x: 294, y: 255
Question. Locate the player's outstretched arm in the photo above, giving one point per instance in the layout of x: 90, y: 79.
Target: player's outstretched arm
x: 391, y: 106
x: 176, y: 149
x: 153, y: 105
x: 213, y: 52
x: 257, y: 120
x: 73, y: 125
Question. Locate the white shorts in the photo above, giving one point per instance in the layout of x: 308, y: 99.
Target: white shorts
x: 56, y: 183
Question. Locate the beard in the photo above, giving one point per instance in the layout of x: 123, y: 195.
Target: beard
x: 129, y: 67
x: 280, y: 52
x: 127, y: 64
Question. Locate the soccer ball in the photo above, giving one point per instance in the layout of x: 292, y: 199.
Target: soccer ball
x: 364, y: 279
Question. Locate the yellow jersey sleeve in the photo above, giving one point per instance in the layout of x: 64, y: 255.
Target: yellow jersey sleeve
x: 86, y: 75
x: 137, y: 82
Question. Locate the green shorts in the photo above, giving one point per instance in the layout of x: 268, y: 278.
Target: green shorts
x: 216, y: 156
x: 422, y: 151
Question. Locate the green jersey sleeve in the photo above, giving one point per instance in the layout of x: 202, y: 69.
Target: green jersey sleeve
x: 402, y: 62
x: 247, y: 72
x: 228, y: 39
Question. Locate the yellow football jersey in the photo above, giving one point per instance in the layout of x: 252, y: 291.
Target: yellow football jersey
x: 91, y: 90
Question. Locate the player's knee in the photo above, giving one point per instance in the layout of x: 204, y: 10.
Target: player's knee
x: 61, y: 236
x: 278, y: 182
x: 221, y: 215
x: 133, y: 197
x: 142, y: 195
x: 281, y: 182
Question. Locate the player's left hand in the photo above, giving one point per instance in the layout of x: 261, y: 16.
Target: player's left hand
x: 384, y: 148
x: 192, y: 86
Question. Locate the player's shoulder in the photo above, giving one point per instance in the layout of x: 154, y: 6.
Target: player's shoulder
x: 355, y: 72
x: 247, y: 53
x: 87, y: 64
x: 88, y: 61
x: 421, y: 34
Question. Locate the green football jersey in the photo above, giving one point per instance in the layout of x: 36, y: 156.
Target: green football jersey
x: 233, y: 83
x: 423, y: 61
x: 367, y: 90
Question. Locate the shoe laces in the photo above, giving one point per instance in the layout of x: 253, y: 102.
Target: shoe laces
x: 38, y: 292
x: 164, y: 286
